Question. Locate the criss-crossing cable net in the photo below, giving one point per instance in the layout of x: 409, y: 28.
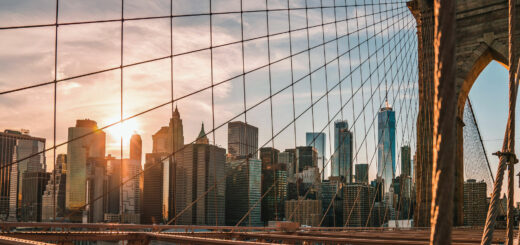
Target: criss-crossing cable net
x: 476, y: 163
x: 179, y: 73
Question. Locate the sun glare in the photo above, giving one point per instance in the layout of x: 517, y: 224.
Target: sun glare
x: 125, y: 130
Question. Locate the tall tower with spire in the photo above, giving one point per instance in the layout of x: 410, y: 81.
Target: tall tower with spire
x: 175, y: 132
x: 202, y: 138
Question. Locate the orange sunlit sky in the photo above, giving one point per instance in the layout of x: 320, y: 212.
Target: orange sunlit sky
x: 27, y: 58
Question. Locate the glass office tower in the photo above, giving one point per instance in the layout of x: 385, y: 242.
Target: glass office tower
x: 386, y: 146
x: 317, y: 140
x: 343, y: 148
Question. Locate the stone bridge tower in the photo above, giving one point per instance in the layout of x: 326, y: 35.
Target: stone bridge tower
x: 482, y: 36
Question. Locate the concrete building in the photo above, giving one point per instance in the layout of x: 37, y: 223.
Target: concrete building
x: 386, y: 146
x: 198, y: 169
x: 475, y: 207
x: 306, y: 212
x: 242, y: 139
x: 33, y: 187
x: 342, y: 155
x: 362, y: 173
x: 243, y: 191
x: 17, y: 146
x: 318, y: 141
x: 53, y: 199
x: 78, y: 152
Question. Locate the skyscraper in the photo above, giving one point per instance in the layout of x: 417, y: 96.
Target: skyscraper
x: 17, y: 146
x: 56, y: 184
x: 289, y: 159
x: 78, y: 152
x: 386, y: 146
x: 331, y: 193
x: 357, y: 203
x: 406, y: 161
x: 95, y: 187
x: 199, y: 167
x: 362, y: 173
x: 175, y: 132
x: 33, y: 188
x: 242, y: 139
x: 317, y: 140
x: 342, y: 154
x: 243, y: 191
x: 306, y: 157
x: 153, y: 188
x: 274, y: 190
x: 269, y: 157
x: 136, y: 148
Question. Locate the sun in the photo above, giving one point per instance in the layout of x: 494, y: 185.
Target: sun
x: 123, y: 130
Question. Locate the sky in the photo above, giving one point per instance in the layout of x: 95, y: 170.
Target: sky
x: 27, y: 58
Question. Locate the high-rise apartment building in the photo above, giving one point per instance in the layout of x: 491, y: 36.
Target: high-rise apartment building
x: 386, y: 146
x: 53, y: 199
x: 475, y: 206
x: 242, y: 139
x: 406, y: 161
x: 243, y: 191
x: 317, y: 140
x: 362, y: 173
x: 78, y: 153
x: 342, y: 155
x: 17, y: 147
x: 198, y: 169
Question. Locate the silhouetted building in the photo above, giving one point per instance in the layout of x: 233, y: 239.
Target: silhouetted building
x: 332, y: 201
x: 153, y: 188
x: 406, y: 161
x: 33, y: 188
x: 127, y: 209
x: 306, y: 157
x: 243, y: 191
x: 53, y: 202
x: 199, y: 168
x: 242, y: 139
x: 362, y: 173
x: 17, y: 146
x: 306, y: 212
x: 386, y: 146
x: 317, y: 140
x: 78, y: 151
x: 136, y: 148
x: 475, y: 208
x: 342, y: 154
